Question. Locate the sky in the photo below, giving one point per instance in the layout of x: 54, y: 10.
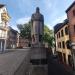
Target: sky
x: 20, y: 11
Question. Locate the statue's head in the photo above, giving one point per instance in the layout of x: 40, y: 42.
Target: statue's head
x: 37, y: 10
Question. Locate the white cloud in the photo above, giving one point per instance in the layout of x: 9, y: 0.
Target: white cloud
x: 55, y: 21
x: 23, y: 20
x: 15, y: 27
x: 49, y: 26
x: 59, y: 19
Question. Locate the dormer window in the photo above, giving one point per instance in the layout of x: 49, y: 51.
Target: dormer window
x: 74, y: 12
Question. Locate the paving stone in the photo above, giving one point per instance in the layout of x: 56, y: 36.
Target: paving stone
x: 11, y: 61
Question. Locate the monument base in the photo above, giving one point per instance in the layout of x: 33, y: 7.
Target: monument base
x: 38, y: 56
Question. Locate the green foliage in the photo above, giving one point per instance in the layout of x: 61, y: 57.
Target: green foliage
x: 48, y: 36
x: 25, y: 31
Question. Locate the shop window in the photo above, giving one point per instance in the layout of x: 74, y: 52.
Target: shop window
x: 60, y: 56
x: 70, y: 60
x: 64, y: 57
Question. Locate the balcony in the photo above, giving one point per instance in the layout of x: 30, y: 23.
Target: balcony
x: 5, y: 17
x: 3, y: 27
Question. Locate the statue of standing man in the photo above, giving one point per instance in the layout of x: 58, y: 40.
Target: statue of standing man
x: 37, y: 28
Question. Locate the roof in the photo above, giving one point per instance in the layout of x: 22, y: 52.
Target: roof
x: 11, y: 29
x: 2, y: 5
x: 58, y: 26
x: 70, y: 6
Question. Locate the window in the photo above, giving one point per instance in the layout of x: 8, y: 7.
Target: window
x: 60, y: 44
x: 68, y: 44
x: 59, y: 34
x: 66, y: 30
x: 40, y: 38
x: 0, y: 33
x: 33, y: 38
x: 74, y: 28
x: 62, y: 34
x: 73, y: 12
x: 63, y: 44
x: 64, y: 56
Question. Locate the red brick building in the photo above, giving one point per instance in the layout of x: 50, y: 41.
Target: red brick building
x: 71, y: 17
x: 23, y: 42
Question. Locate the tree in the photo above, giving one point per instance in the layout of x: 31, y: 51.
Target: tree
x: 48, y: 36
x: 25, y: 31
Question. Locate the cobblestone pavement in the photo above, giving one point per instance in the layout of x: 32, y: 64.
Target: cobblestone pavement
x: 38, y: 70
x: 55, y: 68
x: 10, y: 61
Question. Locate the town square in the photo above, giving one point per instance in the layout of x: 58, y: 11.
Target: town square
x: 37, y: 37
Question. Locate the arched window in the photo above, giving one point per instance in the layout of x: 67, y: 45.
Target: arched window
x: 63, y: 44
x: 66, y: 30
x: 59, y: 34
x: 68, y: 44
x: 62, y: 34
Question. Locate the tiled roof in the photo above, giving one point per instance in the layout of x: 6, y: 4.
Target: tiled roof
x: 2, y: 5
x: 58, y: 26
x: 70, y: 6
x: 13, y: 30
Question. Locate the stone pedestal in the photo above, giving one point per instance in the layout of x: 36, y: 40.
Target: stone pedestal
x: 38, y: 53
x: 38, y: 56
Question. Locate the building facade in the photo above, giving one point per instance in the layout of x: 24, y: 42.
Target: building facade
x: 4, y: 18
x: 71, y: 17
x: 62, y: 38
x: 12, y: 38
x: 23, y: 42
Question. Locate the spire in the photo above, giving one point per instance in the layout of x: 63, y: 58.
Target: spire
x: 37, y: 10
